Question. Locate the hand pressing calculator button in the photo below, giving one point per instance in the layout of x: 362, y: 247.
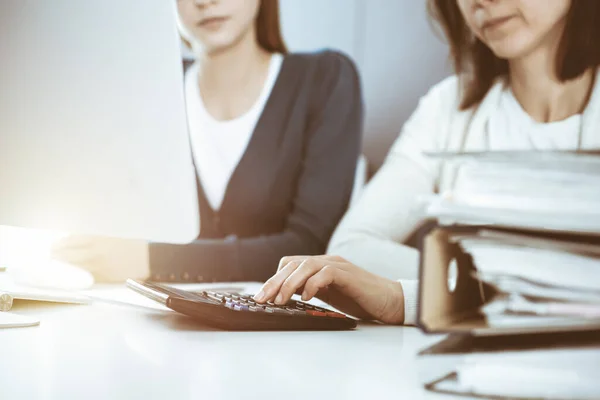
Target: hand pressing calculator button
x: 235, y: 311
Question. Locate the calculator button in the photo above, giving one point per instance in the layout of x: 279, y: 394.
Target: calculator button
x: 316, y: 313
x: 213, y: 297
x: 335, y: 314
x: 283, y: 311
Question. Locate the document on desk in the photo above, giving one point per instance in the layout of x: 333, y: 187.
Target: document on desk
x: 541, y: 276
x: 556, y: 366
x: 521, y: 380
x: 28, y: 293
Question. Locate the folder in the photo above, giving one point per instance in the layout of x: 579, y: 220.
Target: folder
x: 554, y: 366
x: 445, y: 307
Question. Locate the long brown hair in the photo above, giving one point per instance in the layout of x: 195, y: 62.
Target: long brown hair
x: 268, y: 27
x: 478, y: 67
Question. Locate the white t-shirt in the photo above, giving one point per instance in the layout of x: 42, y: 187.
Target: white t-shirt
x: 372, y: 233
x: 218, y: 146
x: 511, y: 128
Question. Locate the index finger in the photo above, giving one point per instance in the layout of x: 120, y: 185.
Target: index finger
x: 271, y: 286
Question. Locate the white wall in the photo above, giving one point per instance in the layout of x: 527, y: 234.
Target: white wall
x: 310, y: 24
x: 394, y: 46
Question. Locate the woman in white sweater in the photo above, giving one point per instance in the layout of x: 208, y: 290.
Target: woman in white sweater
x: 527, y: 79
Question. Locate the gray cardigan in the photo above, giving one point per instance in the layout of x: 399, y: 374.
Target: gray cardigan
x: 292, y: 185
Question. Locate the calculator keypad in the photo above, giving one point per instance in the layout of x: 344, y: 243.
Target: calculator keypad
x: 239, y: 302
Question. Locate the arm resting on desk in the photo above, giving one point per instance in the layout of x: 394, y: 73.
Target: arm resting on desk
x: 333, y: 142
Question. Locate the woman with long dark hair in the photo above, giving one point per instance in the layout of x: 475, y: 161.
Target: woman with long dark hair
x: 276, y: 138
x: 527, y: 78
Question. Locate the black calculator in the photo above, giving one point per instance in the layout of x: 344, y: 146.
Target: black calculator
x: 235, y: 311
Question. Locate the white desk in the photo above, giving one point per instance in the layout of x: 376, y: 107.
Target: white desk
x: 104, y: 351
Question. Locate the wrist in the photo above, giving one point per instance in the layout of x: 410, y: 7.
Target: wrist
x: 394, y: 314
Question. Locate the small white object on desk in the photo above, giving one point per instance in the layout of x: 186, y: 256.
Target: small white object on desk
x: 10, y: 320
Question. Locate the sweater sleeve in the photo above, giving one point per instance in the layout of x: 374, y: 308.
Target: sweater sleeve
x: 333, y: 142
x: 373, y: 232
x: 411, y: 300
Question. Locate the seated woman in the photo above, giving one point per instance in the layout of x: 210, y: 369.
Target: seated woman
x: 527, y: 79
x: 276, y: 139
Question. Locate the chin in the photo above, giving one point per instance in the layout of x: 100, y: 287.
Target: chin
x: 508, y: 49
x: 217, y: 46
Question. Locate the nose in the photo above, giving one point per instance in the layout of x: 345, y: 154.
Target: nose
x: 482, y: 3
x: 477, y: 5
x: 204, y: 3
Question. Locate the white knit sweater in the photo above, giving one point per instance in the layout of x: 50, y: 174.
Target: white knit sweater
x: 372, y: 232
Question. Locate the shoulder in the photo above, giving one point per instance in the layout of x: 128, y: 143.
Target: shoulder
x: 324, y: 65
x: 438, y: 116
x: 323, y: 58
x: 444, y: 96
x: 432, y: 123
x: 435, y: 112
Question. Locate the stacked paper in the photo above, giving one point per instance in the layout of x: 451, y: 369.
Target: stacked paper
x: 543, y: 191
x: 548, y: 265
x: 529, y: 223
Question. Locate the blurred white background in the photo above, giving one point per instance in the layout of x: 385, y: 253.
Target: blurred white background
x: 398, y: 55
x: 394, y: 45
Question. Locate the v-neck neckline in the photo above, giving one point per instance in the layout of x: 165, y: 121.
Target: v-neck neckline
x: 259, y: 134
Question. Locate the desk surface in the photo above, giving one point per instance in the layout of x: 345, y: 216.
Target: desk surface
x: 104, y: 351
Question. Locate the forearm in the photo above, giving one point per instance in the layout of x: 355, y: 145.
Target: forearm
x: 227, y: 260
x: 385, y: 258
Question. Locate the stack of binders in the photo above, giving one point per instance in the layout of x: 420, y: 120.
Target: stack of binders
x: 511, y: 268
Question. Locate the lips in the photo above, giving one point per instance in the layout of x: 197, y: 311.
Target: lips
x: 212, y: 21
x: 495, y: 22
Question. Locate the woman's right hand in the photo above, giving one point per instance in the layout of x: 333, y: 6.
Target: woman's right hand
x: 338, y: 282
x: 108, y: 259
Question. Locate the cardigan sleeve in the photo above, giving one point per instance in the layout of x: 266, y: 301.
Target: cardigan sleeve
x: 373, y: 232
x: 332, y: 148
